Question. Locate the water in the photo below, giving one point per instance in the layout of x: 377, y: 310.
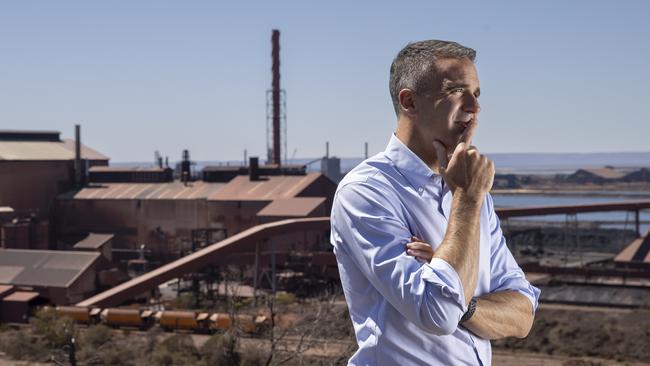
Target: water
x: 522, y: 200
x: 565, y: 163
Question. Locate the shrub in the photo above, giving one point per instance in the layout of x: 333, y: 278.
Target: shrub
x: 96, y: 335
x: 56, y: 330
x: 19, y: 345
x: 285, y: 298
x: 220, y: 349
x: 253, y: 357
x: 175, y: 350
x: 116, y: 355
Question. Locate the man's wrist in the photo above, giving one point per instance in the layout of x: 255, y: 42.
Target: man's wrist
x: 471, y: 308
x: 469, y: 201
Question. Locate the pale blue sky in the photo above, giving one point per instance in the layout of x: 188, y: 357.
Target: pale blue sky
x: 556, y: 76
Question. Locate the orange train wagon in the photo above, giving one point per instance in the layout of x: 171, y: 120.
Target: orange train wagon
x: 247, y: 323
x: 80, y: 314
x: 183, y: 320
x: 133, y: 318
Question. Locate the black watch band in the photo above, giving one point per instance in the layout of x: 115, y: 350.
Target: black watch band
x: 470, y: 310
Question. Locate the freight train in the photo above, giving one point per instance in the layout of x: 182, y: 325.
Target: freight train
x: 168, y: 320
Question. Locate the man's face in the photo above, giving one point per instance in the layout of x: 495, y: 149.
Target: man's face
x: 451, y: 104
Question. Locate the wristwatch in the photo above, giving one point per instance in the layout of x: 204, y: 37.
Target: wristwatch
x: 470, y: 310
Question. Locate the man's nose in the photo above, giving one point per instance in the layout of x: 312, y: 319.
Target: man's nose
x: 471, y: 104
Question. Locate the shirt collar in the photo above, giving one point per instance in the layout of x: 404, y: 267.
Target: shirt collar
x: 408, y: 163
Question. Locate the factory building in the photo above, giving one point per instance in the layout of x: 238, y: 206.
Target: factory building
x: 246, y: 202
x: 102, y: 243
x: 109, y: 174
x: 168, y: 218
x: 226, y: 173
x: 159, y: 215
x: 17, y: 306
x: 36, y: 166
x: 61, y: 277
x: 291, y: 208
x: 94, y: 213
x: 24, y: 233
x: 41, y: 166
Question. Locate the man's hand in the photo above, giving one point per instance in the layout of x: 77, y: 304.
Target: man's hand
x: 467, y: 170
x: 417, y: 248
x: 469, y: 176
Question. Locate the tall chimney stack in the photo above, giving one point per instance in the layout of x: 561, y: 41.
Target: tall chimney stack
x: 275, y: 86
x: 186, y: 172
x: 78, y: 174
x: 253, y: 168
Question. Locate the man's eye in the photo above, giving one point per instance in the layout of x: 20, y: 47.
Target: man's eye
x: 457, y: 90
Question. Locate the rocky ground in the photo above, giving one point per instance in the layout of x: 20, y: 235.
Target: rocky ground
x: 322, y: 335
x: 319, y: 331
x: 579, y: 331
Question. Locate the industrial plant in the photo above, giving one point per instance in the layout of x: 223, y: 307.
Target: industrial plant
x: 171, y: 246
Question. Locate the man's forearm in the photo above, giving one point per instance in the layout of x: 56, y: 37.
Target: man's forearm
x: 460, y: 247
x: 501, y: 314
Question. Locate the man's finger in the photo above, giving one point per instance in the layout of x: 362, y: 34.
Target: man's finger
x: 467, y: 135
x: 418, y: 253
x: 460, y: 147
x: 419, y: 245
x: 441, y: 152
x: 416, y: 239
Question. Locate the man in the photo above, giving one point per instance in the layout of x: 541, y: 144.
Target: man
x: 425, y: 269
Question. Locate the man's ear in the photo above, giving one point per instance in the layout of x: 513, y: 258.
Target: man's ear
x: 407, y: 102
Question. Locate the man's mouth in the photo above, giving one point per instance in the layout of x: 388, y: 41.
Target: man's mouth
x: 463, y: 125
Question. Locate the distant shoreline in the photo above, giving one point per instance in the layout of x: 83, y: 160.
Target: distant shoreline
x: 605, y: 192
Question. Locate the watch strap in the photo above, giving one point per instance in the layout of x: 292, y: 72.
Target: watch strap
x: 471, y: 308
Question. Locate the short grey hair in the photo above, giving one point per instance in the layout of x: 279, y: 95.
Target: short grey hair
x: 414, y: 66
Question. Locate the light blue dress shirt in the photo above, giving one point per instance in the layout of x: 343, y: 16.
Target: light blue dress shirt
x: 406, y: 312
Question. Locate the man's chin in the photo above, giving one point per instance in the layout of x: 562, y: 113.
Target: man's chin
x: 452, y: 146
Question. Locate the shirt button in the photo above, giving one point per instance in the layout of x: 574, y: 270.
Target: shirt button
x: 420, y: 189
x: 445, y: 291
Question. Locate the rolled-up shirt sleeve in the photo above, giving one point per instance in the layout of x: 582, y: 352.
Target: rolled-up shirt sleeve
x: 505, y: 272
x: 372, y: 232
